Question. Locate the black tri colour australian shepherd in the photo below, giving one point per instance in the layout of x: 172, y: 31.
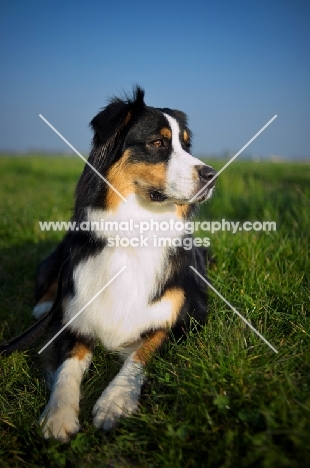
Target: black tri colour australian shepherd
x: 148, y: 173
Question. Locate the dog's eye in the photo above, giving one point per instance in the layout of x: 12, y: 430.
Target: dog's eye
x: 159, y: 143
x: 157, y: 196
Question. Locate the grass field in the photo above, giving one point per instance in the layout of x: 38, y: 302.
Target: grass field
x: 220, y: 399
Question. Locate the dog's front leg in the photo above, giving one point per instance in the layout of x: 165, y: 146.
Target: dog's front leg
x: 121, y: 396
x: 60, y: 417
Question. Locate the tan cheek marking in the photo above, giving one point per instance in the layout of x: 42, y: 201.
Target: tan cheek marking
x: 182, y: 210
x: 118, y: 177
x: 149, y: 346
x: 80, y: 351
x: 124, y: 174
x: 50, y: 294
x: 166, y: 133
x: 153, y: 175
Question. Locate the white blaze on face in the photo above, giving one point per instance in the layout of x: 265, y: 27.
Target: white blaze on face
x: 182, y: 180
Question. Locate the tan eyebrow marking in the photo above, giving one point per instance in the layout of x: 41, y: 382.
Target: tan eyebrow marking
x: 166, y: 133
x: 185, y: 136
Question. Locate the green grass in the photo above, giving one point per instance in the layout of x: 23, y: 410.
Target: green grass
x: 220, y: 399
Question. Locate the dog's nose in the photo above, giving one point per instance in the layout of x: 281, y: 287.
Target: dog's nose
x: 206, y: 174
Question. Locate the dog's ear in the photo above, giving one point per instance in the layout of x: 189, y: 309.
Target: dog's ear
x: 109, y: 126
x: 113, y: 119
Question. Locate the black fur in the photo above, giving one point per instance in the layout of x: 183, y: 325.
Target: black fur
x: 33, y: 333
x: 121, y: 123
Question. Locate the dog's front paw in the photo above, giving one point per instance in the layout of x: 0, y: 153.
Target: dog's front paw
x: 114, y: 403
x: 60, y: 423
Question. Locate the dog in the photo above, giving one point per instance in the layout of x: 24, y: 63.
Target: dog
x: 140, y: 168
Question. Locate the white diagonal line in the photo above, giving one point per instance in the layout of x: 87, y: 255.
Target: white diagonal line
x: 83, y: 308
x: 235, y: 310
x: 82, y: 157
x: 233, y: 158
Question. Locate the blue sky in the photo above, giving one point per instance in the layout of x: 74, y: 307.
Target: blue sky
x: 230, y: 65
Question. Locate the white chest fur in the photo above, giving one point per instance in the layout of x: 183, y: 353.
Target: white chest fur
x: 122, y: 311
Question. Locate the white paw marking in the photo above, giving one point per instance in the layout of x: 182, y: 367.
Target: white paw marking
x: 113, y: 404
x: 120, y: 398
x: 41, y: 309
x: 60, y: 423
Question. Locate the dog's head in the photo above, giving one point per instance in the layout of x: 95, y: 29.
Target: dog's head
x: 144, y: 152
